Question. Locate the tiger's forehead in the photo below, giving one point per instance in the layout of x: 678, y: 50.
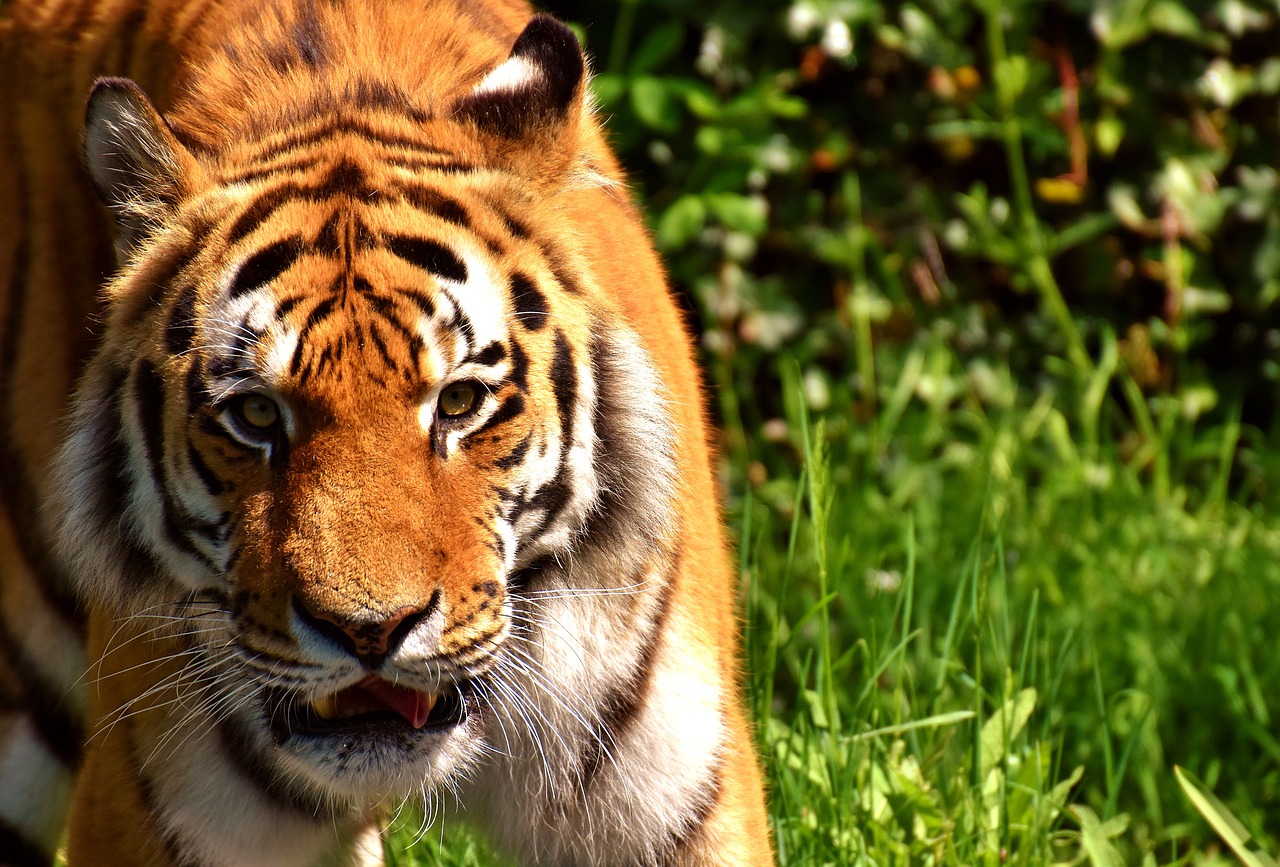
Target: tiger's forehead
x: 346, y: 279
x: 407, y: 310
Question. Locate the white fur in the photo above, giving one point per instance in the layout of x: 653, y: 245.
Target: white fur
x: 221, y: 821
x: 512, y: 74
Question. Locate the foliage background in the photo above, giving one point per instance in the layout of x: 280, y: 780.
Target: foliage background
x: 989, y: 302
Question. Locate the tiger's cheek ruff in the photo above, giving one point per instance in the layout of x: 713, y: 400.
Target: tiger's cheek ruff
x: 129, y: 516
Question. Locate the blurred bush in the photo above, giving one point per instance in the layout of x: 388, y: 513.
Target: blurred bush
x: 1031, y: 188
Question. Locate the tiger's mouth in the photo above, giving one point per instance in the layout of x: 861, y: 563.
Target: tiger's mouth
x: 371, y: 706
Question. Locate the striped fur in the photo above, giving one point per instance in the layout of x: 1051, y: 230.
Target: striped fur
x: 385, y: 475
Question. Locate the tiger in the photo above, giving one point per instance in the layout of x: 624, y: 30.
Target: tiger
x: 354, y: 451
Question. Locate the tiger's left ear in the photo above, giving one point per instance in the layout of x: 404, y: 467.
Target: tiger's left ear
x: 531, y: 105
x: 140, y: 169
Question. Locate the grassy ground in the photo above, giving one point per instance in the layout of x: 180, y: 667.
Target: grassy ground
x: 989, y: 637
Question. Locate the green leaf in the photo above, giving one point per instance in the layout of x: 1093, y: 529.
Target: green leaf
x: 1095, y: 838
x: 1003, y: 726
x: 936, y: 721
x: 657, y: 48
x: 655, y: 104
x: 710, y: 140
x: 1224, y: 822
x: 1174, y: 19
x: 1083, y: 230
x: 746, y: 214
x: 1012, y: 74
x: 786, y: 106
x: 681, y: 221
x: 608, y: 87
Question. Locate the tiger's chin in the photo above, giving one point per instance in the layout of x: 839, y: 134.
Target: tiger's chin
x: 359, y: 745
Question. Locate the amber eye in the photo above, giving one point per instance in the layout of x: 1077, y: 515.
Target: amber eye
x: 458, y: 399
x: 257, y: 413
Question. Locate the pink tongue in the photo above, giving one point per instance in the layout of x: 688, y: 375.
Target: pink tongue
x: 409, y: 703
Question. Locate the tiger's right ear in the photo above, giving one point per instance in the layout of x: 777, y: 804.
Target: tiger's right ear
x: 531, y: 106
x: 140, y: 169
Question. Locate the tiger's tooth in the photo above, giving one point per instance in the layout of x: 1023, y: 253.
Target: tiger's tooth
x: 422, y: 708
x: 326, y: 706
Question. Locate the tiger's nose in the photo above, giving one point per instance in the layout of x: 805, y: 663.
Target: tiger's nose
x: 368, y: 640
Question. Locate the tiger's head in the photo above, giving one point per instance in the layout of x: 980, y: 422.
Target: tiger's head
x: 357, y: 402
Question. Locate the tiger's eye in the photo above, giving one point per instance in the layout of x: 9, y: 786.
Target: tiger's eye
x: 258, y: 412
x: 458, y: 399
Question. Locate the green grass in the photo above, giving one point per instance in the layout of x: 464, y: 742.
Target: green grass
x: 981, y: 637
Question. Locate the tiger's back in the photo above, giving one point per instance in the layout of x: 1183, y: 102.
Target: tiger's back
x: 386, y: 473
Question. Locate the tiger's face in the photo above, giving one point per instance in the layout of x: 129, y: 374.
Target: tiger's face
x: 397, y: 430
x: 347, y: 409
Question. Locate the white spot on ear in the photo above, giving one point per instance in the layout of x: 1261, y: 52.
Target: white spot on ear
x: 513, y: 74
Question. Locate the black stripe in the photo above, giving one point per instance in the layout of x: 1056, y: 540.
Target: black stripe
x: 566, y: 279
x: 552, y: 497
x: 424, y: 304
x: 345, y: 179
x: 428, y: 255
x: 329, y: 238
x: 285, y: 307
x: 222, y: 366
x: 564, y: 383
x: 519, y: 374
x: 148, y: 395
x: 370, y: 94
x: 148, y: 390
x: 318, y: 314
x: 446, y: 167
x: 491, y: 354
x: 517, y: 228
x: 19, y: 850
x: 158, y: 275
x: 529, y: 302
x: 459, y: 321
x: 437, y: 204
x: 515, y: 456
x: 56, y: 724
x: 110, y: 463
x: 522, y: 580
x: 198, y: 395
x: 381, y: 345
x: 346, y: 125
x: 266, y: 265
x: 180, y: 330
x: 361, y: 285
x: 260, y: 210
x: 619, y: 708
x: 511, y: 407
x: 386, y: 309
x: 168, y: 840
x: 212, y: 483
x: 17, y: 494
x: 308, y: 160
x: 243, y: 753
x: 308, y: 37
